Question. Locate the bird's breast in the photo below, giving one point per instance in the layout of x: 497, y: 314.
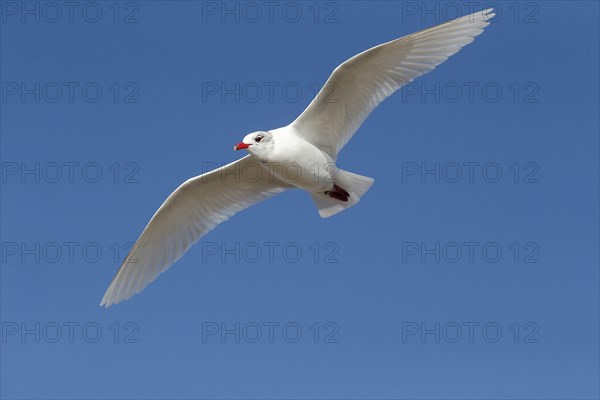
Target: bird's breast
x: 301, y: 164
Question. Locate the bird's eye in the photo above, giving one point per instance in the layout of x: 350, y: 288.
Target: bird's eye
x: 258, y: 138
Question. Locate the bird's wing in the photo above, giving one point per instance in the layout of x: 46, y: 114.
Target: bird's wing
x: 359, y: 84
x: 191, y: 211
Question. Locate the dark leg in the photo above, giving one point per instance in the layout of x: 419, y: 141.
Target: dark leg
x: 338, y: 193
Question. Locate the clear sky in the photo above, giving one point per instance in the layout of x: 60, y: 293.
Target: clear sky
x: 469, y: 270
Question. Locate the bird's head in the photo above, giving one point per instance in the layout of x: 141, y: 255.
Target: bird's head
x: 258, y: 143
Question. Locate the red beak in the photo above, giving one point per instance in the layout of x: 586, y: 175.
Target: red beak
x: 241, y: 146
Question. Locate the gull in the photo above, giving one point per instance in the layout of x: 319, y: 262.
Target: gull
x: 301, y: 155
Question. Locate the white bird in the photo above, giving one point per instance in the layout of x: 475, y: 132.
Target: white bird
x: 300, y: 155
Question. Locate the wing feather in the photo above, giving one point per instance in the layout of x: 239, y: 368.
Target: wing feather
x: 190, y: 212
x: 361, y: 83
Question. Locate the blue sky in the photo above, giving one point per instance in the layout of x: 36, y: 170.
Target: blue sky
x: 437, y: 285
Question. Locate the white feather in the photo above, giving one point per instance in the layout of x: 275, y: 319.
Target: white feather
x: 361, y: 83
x: 190, y: 212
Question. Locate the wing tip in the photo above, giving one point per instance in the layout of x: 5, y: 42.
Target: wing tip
x: 477, y: 17
x: 488, y: 14
x: 111, y: 297
x: 107, y: 301
x: 110, y: 300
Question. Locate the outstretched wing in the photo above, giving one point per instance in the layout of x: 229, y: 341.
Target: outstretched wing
x: 358, y: 85
x: 190, y: 212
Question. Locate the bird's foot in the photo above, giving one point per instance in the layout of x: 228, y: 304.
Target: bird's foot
x: 338, y: 193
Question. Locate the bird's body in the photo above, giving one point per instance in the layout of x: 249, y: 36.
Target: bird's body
x: 298, y: 162
x: 301, y: 155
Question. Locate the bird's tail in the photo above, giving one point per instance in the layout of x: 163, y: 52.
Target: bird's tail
x: 355, y: 185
